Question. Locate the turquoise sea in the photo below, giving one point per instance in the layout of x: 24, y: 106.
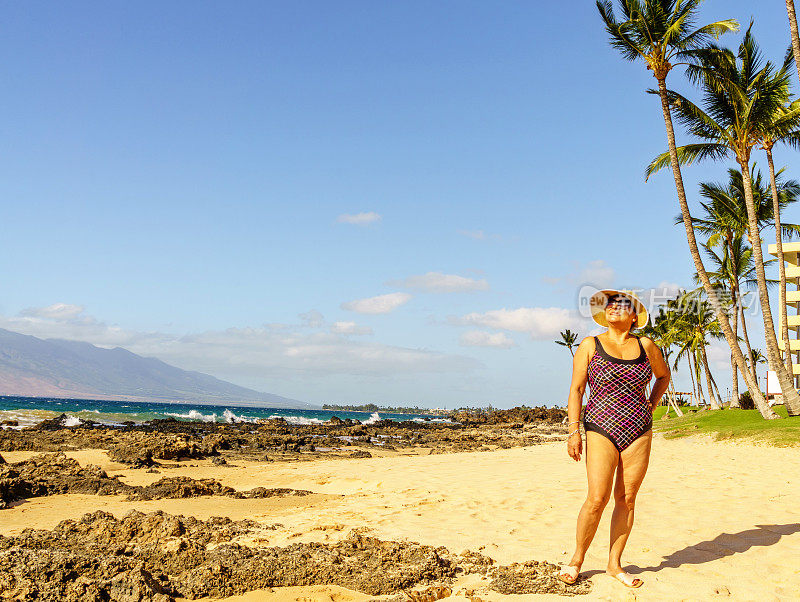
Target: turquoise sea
x: 27, y: 411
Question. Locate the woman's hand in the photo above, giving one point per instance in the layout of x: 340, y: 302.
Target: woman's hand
x: 575, y: 446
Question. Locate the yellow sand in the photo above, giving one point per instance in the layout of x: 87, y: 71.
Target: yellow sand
x: 714, y: 520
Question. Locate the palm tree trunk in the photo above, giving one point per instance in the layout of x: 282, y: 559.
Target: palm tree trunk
x: 734, y: 368
x: 776, y: 210
x: 701, y: 394
x: 691, y: 375
x: 716, y: 389
x: 795, y: 35
x: 716, y: 303
x: 674, y: 401
x: 750, y: 365
x: 790, y: 396
x: 713, y: 399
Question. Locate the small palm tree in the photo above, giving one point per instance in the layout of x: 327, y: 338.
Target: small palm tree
x: 757, y: 357
x: 569, y: 340
x: 662, y: 331
x: 697, y: 324
x: 741, y: 94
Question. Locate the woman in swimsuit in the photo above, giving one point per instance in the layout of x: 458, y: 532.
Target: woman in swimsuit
x: 618, y: 422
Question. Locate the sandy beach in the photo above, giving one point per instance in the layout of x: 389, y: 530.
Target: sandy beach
x: 714, y: 520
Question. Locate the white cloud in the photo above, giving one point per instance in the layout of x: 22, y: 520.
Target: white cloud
x: 382, y: 304
x: 312, y: 319
x: 349, y: 328
x: 359, y: 219
x: 57, y: 311
x: 280, y: 351
x: 596, y: 273
x: 436, y: 282
x: 480, y: 235
x: 539, y: 322
x: 479, y: 338
x: 668, y: 290
x: 719, y: 358
x: 476, y: 234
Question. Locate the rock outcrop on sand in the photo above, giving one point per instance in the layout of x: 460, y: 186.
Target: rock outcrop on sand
x: 144, y: 445
x: 158, y: 557
x: 51, y: 474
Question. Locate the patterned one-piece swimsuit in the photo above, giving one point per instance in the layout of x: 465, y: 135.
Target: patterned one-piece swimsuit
x: 617, y: 406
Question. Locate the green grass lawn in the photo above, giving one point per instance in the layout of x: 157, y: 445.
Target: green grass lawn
x: 730, y: 424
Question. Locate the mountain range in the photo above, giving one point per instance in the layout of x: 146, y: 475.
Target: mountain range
x: 34, y: 367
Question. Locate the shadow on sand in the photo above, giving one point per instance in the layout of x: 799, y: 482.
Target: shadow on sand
x: 724, y: 544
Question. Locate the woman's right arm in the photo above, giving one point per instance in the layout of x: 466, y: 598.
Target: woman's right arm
x: 580, y: 366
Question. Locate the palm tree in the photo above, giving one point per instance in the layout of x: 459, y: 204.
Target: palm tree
x: 795, y: 36
x: 725, y: 276
x: 756, y: 357
x: 663, y: 332
x: 740, y: 94
x: 569, y: 340
x: 725, y: 211
x: 658, y: 32
x: 699, y: 323
x: 725, y: 221
x: 783, y: 127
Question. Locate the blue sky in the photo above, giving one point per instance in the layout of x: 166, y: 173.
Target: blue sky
x: 177, y: 179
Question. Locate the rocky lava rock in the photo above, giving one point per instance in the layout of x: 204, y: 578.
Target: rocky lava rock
x: 51, y: 474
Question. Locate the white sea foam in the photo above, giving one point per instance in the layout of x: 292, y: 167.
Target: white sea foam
x: 230, y: 417
x: 298, y: 420
x: 90, y: 411
x: 434, y: 420
x: 70, y: 421
x: 25, y: 418
x: 194, y: 415
x: 372, y: 419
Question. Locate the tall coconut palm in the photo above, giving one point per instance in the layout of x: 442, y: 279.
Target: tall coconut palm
x: 569, y: 340
x: 724, y: 274
x: 793, y: 31
x: 783, y: 127
x: 740, y: 94
x: 728, y: 268
x: 659, y: 32
x: 725, y: 217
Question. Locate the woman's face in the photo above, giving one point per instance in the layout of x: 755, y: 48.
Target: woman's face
x: 619, y: 310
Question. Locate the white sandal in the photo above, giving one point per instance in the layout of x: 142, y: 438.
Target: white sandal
x: 569, y: 570
x: 627, y: 580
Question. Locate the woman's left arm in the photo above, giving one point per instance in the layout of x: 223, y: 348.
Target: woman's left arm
x: 660, y: 371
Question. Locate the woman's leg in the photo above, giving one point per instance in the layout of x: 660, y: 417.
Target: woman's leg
x: 601, y: 462
x: 633, y: 462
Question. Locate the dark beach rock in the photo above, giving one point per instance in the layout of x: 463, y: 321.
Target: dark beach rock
x: 51, y: 424
x: 218, y: 461
x: 51, y: 474
x: 360, y: 453
x: 144, y: 445
x: 159, y: 557
x: 534, y: 577
x: 180, y: 487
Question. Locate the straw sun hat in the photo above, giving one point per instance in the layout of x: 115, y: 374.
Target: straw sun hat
x: 599, y: 300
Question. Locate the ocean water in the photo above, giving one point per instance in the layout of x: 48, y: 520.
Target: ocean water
x: 28, y: 411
